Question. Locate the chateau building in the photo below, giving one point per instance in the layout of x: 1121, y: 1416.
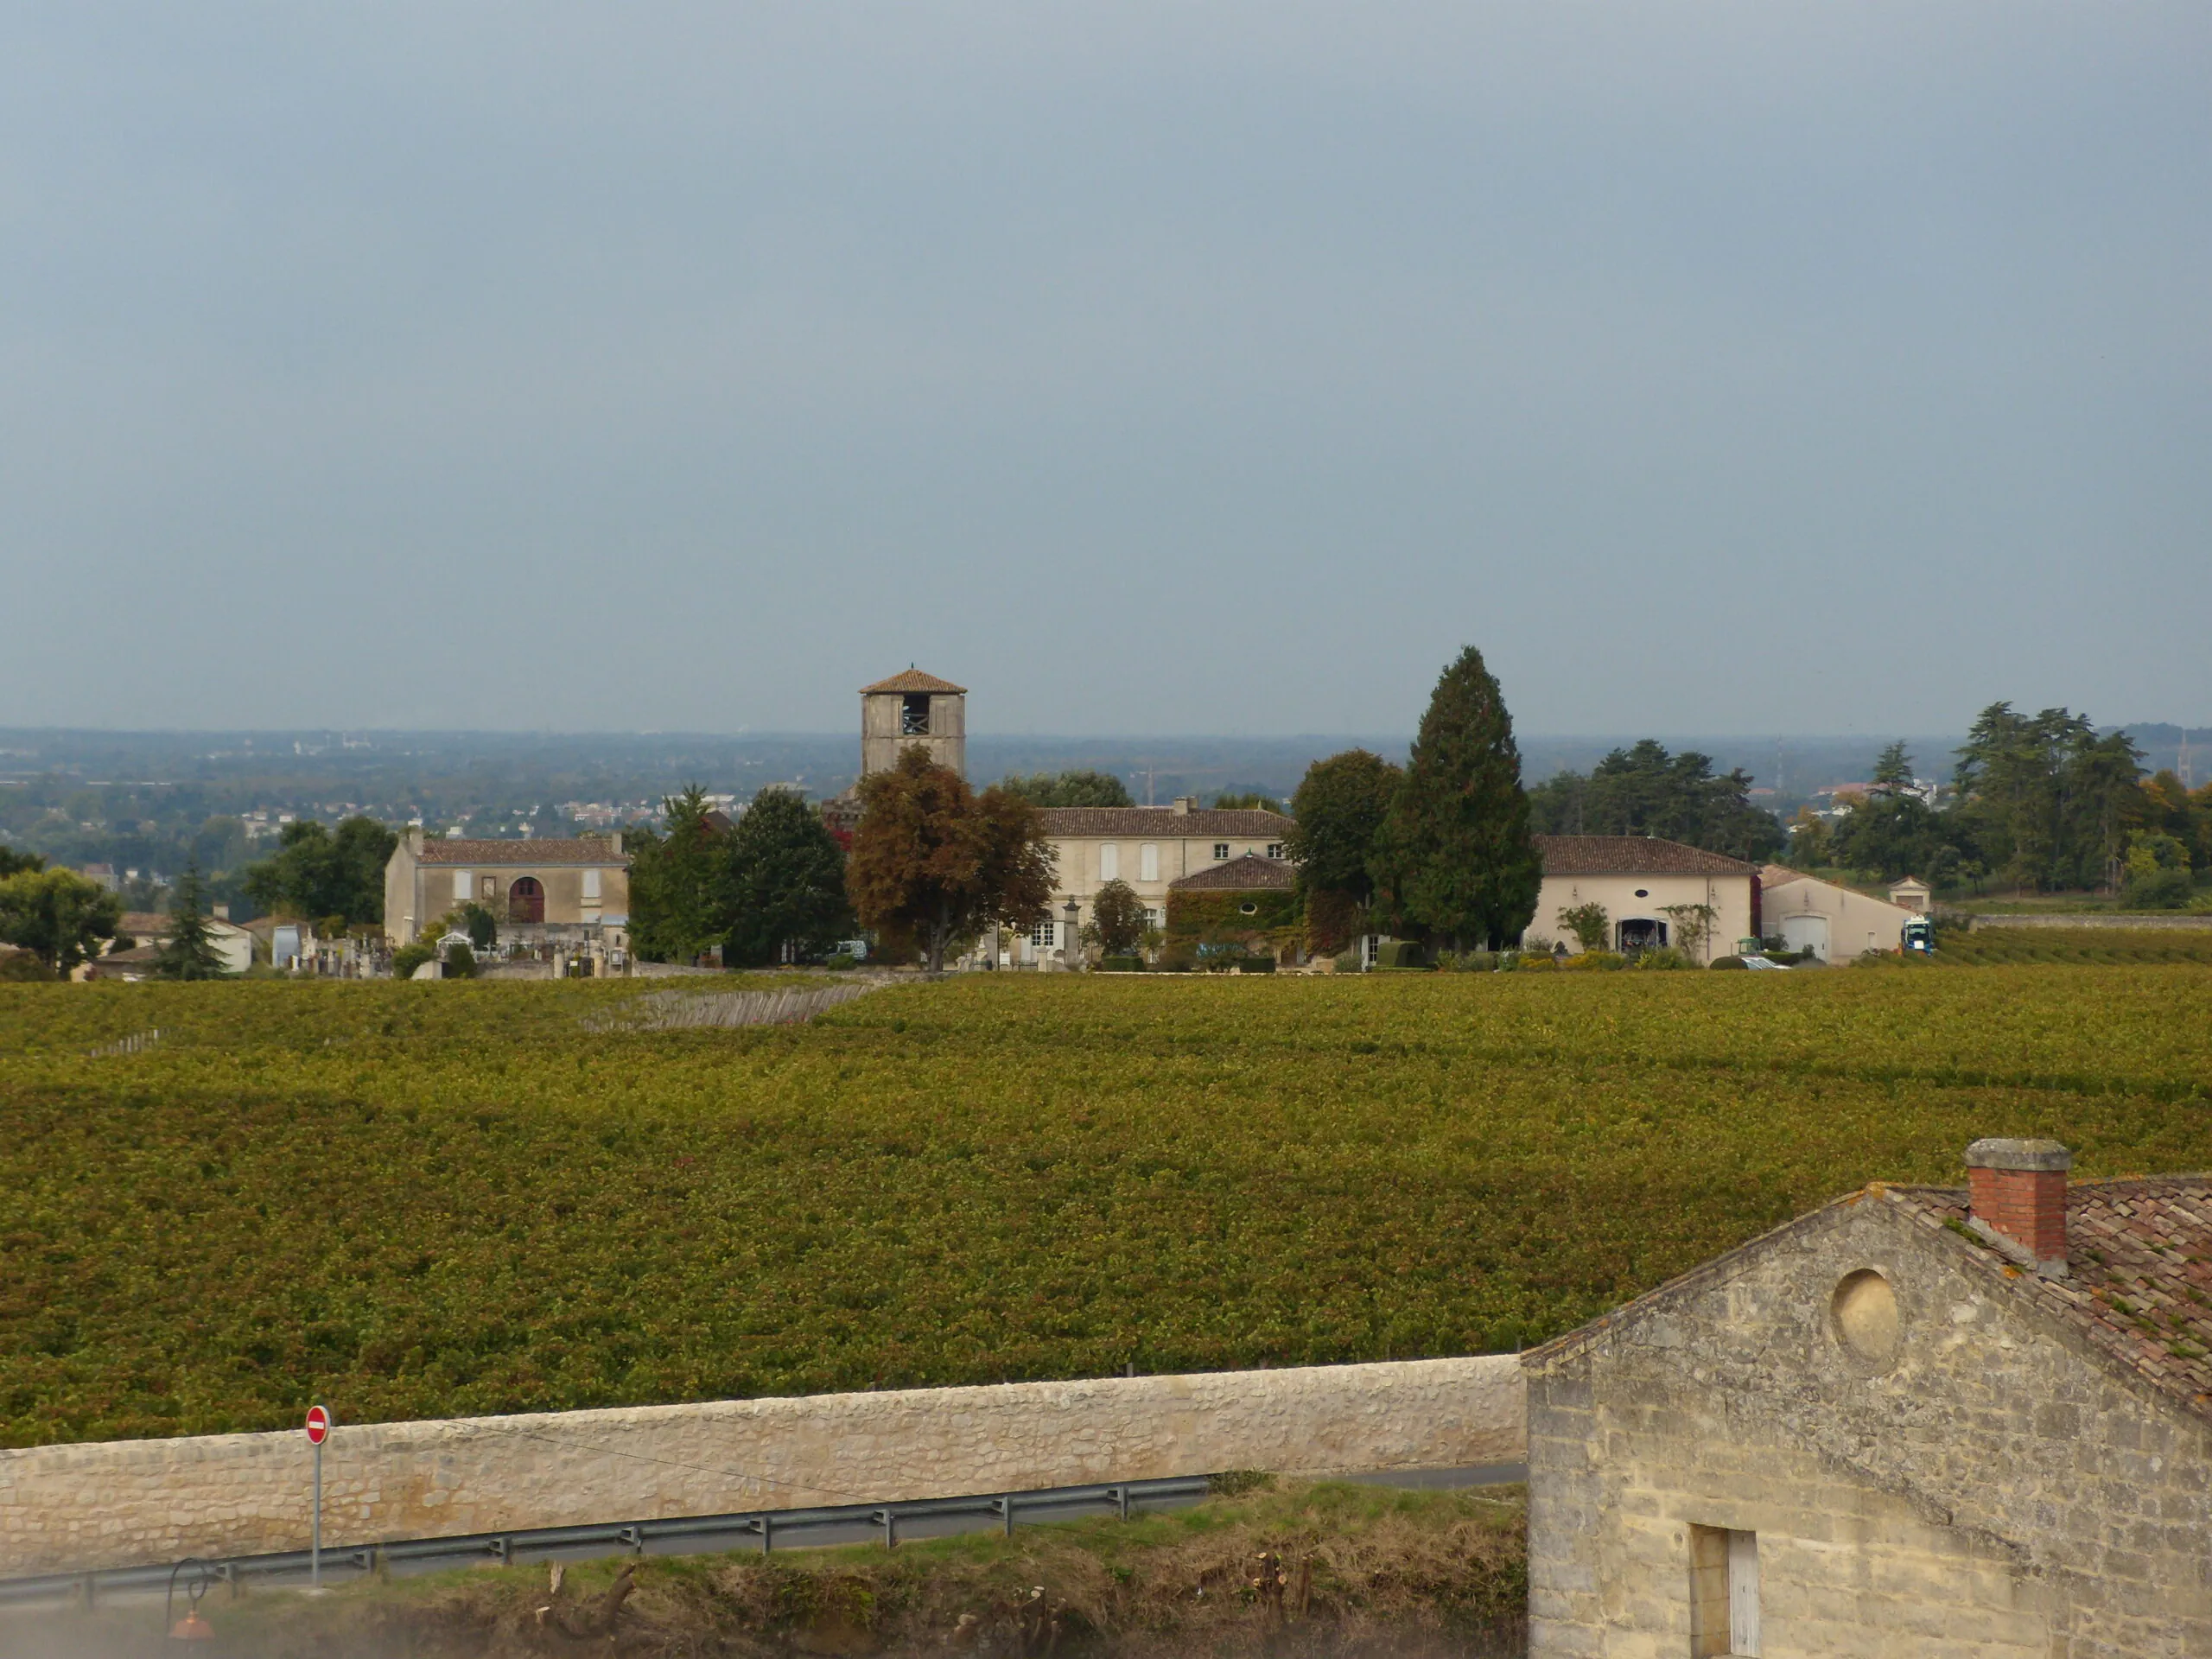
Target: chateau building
x: 1149, y: 848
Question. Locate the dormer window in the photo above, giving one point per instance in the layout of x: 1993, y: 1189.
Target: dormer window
x: 1221, y: 850
x: 1274, y: 850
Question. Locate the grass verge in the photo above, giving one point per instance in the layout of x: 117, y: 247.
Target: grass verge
x: 1320, y: 1568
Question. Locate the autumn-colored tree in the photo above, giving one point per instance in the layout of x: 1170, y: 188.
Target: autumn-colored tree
x: 933, y: 858
x: 1119, y: 915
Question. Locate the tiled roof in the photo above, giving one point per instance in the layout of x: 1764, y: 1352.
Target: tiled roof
x: 913, y: 680
x: 1239, y: 875
x: 2139, y: 1273
x: 1632, y: 855
x: 582, y: 849
x: 1138, y: 822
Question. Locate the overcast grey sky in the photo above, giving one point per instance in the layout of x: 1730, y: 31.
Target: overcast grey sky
x: 1146, y: 367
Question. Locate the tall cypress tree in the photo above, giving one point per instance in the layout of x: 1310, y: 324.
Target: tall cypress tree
x: 189, y: 952
x: 1458, y: 857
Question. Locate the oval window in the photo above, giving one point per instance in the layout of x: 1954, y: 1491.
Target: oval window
x: 1644, y: 893
x: 1865, y: 1308
x: 1249, y: 908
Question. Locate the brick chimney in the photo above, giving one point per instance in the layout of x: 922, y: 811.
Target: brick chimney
x: 2018, y: 1200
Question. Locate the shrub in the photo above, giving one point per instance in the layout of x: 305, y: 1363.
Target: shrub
x: 460, y: 962
x: 2158, y: 890
x: 24, y: 966
x: 1594, y: 962
x: 1664, y: 957
x: 1348, y: 962
x: 1120, y: 964
x: 1402, y: 953
x: 1539, y: 962
x: 1588, y: 924
x: 1736, y: 963
x: 839, y: 961
x: 409, y: 957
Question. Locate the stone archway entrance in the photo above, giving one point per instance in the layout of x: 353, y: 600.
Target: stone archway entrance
x: 526, y: 900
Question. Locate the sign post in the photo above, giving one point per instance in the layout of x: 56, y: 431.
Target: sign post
x: 318, y: 1432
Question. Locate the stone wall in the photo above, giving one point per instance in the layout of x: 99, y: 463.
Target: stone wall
x: 125, y: 1502
x: 2087, y: 919
x: 1995, y: 1488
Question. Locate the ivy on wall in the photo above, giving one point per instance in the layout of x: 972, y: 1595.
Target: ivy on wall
x: 1222, y: 918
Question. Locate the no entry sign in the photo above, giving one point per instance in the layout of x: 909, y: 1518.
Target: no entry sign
x: 318, y: 1425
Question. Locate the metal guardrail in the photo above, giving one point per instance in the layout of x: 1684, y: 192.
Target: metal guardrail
x: 684, y: 1535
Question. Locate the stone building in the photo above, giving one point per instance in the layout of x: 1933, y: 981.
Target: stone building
x: 1926, y: 1421
x: 911, y: 709
x: 545, y: 891
x: 1638, y: 879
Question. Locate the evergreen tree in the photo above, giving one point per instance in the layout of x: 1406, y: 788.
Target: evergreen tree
x: 189, y: 952
x: 315, y: 873
x: 1893, y: 770
x: 1340, y: 806
x: 682, y: 886
x: 788, y: 881
x: 1645, y: 790
x: 1077, y: 788
x: 1459, y: 858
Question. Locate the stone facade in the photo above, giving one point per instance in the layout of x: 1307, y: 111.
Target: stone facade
x: 1917, y: 1446
x: 125, y: 1503
x: 575, y: 890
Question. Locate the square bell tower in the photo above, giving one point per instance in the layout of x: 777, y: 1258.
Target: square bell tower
x: 910, y: 709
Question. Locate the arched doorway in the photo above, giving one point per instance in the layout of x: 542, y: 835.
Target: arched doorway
x: 526, y: 900
x: 1639, y: 934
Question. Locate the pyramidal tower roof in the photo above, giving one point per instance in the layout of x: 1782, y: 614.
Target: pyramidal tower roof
x: 914, y: 680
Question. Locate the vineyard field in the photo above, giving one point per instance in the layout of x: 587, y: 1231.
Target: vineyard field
x: 416, y: 1200
x: 1988, y: 945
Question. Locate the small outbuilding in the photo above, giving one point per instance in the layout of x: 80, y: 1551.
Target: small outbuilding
x: 1969, y: 1422
x: 1836, y: 924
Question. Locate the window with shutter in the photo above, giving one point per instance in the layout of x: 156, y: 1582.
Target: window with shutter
x: 1109, y: 861
x: 1148, y: 862
x: 463, y: 887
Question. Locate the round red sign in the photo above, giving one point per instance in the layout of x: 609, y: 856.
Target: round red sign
x: 318, y: 1425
